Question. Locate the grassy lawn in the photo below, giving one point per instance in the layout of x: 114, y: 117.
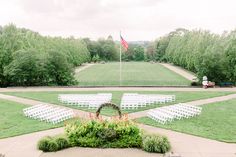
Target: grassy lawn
x: 133, y: 74
x: 217, y: 121
x: 52, y: 97
x: 13, y: 122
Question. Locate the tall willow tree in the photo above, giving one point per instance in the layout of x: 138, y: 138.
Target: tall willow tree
x: 25, y: 57
x: 202, y: 52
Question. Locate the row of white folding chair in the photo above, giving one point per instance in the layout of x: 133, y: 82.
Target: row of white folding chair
x: 191, y: 107
x: 32, y: 108
x: 85, y: 102
x: 85, y: 99
x: 81, y: 96
x: 36, y: 113
x: 165, y: 115
x: 149, y: 99
x: 36, y: 110
x: 188, y: 109
x: 157, y: 117
x: 50, y: 114
x: 169, y: 113
x: 59, y: 117
x: 180, y: 111
x: 151, y: 95
x: 135, y: 102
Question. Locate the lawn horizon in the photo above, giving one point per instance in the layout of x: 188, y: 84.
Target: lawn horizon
x: 133, y: 74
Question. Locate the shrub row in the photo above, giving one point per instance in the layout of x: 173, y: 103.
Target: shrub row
x: 105, y: 134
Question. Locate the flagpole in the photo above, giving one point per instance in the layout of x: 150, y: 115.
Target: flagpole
x: 120, y: 58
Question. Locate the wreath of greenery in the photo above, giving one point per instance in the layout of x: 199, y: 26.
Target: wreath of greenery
x: 111, y: 105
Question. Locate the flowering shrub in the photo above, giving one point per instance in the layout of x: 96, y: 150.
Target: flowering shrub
x: 97, y: 133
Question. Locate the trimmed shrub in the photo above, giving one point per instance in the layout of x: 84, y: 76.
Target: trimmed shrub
x: 52, y: 144
x: 155, y: 143
x: 106, y: 134
x: 47, y: 144
x: 62, y: 142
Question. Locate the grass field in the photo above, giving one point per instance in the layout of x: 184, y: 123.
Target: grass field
x: 133, y: 74
x: 13, y: 122
x: 52, y: 97
x: 217, y: 121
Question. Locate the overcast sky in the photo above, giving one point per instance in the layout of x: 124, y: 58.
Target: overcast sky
x: 137, y: 19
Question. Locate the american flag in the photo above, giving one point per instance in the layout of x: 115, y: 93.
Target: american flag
x: 124, y: 43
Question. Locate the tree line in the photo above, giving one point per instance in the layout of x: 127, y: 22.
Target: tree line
x: 202, y: 52
x: 28, y: 58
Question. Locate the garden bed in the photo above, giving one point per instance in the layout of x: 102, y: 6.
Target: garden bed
x: 98, y: 133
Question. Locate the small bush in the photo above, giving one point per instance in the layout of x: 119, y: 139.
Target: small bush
x: 52, y: 144
x: 156, y: 143
x: 62, y: 142
x: 47, y: 144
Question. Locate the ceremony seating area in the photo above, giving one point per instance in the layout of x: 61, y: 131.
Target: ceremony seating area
x: 135, y: 100
x: 167, y: 114
x: 92, y: 101
x: 48, y: 113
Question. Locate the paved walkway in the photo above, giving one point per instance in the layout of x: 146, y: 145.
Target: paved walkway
x: 186, y: 74
x: 40, y: 89
x: 83, y: 67
x: 183, y: 144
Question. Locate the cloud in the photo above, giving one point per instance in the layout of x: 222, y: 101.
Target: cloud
x: 138, y: 19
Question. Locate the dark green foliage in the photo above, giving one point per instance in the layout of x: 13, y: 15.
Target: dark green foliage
x: 52, y: 144
x: 59, y: 70
x: 103, y: 49
x: 135, y: 52
x: 201, y: 52
x: 95, y: 58
x: 47, y: 144
x: 156, y: 144
x: 25, y: 55
x: 107, y: 134
x: 27, y: 68
x: 62, y: 142
x: 112, y: 134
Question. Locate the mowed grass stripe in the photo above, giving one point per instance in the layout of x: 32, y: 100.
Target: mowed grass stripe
x: 133, y: 74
